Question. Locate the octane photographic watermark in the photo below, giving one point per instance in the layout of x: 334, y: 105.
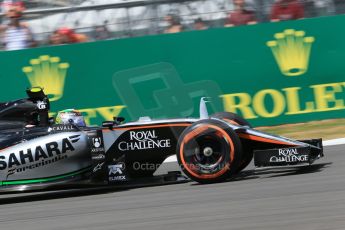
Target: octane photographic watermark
x: 158, y: 91
x: 140, y: 166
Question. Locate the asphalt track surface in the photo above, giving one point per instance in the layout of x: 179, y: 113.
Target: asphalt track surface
x: 288, y: 198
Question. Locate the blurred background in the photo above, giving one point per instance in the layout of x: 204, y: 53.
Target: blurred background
x: 70, y: 21
x: 271, y: 61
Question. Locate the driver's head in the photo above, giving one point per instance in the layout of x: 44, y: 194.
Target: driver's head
x: 70, y: 116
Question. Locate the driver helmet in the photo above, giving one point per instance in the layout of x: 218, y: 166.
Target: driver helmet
x: 70, y: 116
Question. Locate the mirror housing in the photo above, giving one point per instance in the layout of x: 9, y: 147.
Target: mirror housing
x: 108, y: 124
x: 119, y: 120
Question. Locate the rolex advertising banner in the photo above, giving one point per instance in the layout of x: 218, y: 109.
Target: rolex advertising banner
x: 270, y: 73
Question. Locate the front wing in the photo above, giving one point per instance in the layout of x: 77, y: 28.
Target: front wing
x: 289, y: 156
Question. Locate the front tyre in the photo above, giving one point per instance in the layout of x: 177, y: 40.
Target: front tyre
x: 209, y: 151
x: 233, y: 118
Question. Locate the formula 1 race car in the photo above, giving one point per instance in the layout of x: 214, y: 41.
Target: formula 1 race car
x: 36, y: 153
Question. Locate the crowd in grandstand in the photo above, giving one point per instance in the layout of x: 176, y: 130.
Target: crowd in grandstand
x: 244, y: 14
x: 16, y: 33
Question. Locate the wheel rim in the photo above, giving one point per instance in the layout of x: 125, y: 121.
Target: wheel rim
x: 206, y: 153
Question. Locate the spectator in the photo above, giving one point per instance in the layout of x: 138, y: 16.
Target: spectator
x: 68, y: 36
x: 7, y: 4
x: 340, y: 6
x: 199, y: 24
x: 55, y: 38
x: 102, y: 32
x: 174, y: 22
x: 283, y: 10
x: 240, y: 15
x: 323, y: 7
x: 17, y: 35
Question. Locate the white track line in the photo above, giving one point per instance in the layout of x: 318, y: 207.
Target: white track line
x: 339, y: 141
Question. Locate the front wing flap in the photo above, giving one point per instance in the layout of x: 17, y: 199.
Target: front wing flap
x: 287, y: 156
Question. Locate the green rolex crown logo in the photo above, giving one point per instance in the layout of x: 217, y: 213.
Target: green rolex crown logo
x: 48, y: 73
x: 291, y: 50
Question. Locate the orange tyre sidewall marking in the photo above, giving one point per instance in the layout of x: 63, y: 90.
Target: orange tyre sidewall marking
x: 235, y: 123
x: 194, y: 133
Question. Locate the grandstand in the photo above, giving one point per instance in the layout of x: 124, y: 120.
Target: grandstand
x: 128, y: 18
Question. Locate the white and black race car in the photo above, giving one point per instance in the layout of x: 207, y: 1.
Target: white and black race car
x: 38, y: 154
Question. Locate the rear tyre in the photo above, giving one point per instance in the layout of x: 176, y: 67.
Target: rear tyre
x: 233, y: 118
x: 209, y: 151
